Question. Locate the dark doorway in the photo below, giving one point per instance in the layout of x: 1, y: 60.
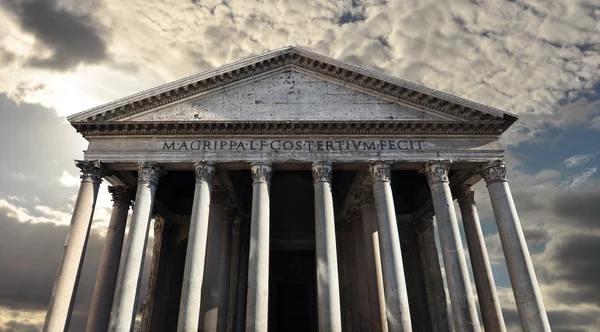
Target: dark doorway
x: 292, y: 291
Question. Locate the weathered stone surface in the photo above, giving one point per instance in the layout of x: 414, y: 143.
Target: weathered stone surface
x: 287, y: 95
x: 348, y: 149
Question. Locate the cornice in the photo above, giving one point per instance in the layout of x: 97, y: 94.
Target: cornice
x: 487, y: 128
x: 289, y: 58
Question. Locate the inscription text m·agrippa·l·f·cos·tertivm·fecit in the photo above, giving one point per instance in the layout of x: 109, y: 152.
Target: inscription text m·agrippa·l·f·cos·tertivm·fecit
x: 293, y: 145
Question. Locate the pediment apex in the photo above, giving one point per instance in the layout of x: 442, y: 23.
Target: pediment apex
x: 301, y: 60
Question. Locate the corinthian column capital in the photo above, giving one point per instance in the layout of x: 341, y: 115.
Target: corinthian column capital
x: 381, y: 172
x: 494, y: 171
x: 120, y: 194
x: 424, y: 225
x: 149, y: 172
x: 91, y: 170
x: 261, y: 172
x: 204, y: 172
x: 465, y: 193
x: 364, y: 194
x: 436, y: 171
x: 322, y: 172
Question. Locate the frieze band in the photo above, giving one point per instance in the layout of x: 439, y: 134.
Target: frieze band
x: 293, y: 145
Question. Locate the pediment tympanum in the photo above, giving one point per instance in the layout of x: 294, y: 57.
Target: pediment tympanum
x: 286, y: 96
x: 291, y: 91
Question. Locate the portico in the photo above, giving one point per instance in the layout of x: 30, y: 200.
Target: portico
x: 294, y: 192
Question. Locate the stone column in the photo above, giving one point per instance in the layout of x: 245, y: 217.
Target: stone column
x: 213, y: 310
x: 67, y: 279
x: 372, y: 259
x: 193, y: 275
x: 234, y: 274
x: 464, y: 312
x: 153, y: 309
x: 491, y: 313
x: 520, y: 268
x: 225, y: 272
x: 109, y: 263
x: 362, y: 288
x: 328, y: 286
x: 396, y: 296
x: 125, y: 303
x: 346, y: 288
x: 257, y: 307
x: 434, y: 283
x: 242, y: 282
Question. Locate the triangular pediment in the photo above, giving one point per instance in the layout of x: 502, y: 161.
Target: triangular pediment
x: 292, y: 85
x: 287, y: 96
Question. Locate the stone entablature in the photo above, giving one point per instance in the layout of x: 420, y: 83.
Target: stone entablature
x: 291, y: 149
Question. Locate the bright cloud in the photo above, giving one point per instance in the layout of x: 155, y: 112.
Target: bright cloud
x: 578, y: 160
x: 582, y: 179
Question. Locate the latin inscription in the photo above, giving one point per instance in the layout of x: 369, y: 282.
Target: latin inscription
x: 293, y: 145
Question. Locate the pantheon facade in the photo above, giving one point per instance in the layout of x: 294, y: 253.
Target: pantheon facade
x: 293, y: 192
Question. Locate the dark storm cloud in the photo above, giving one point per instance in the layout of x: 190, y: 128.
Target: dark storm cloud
x: 573, y: 260
x: 14, y: 326
x: 560, y: 320
x: 569, y: 321
x: 29, y: 258
x: 37, y: 146
x: 73, y: 38
x: 580, y: 205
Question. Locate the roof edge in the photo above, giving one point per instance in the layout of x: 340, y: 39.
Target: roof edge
x: 216, y: 72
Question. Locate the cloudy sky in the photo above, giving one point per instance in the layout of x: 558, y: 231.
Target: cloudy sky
x: 539, y: 59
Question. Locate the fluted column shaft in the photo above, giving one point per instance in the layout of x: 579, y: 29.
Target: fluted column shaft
x: 328, y: 287
x: 520, y: 268
x: 109, y: 262
x: 491, y: 312
x: 125, y: 303
x: 373, y: 272
x: 193, y: 275
x: 464, y: 312
x: 396, y: 296
x: 67, y: 279
x: 257, y: 307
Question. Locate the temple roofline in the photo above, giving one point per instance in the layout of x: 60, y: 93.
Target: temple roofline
x: 289, y: 58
